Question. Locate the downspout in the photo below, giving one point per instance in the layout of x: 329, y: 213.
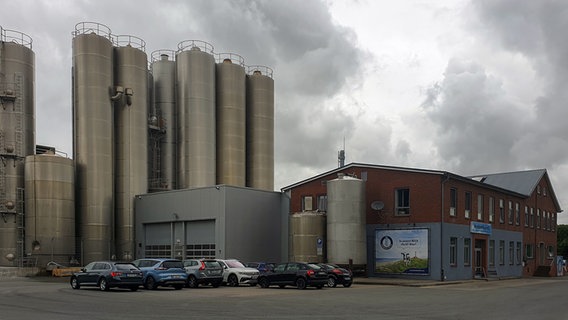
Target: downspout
x: 442, y: 275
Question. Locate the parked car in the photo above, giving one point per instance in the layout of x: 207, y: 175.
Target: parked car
x: 337, y: 275
x: 162, y: 272
x: 108, y: 274
x: 203, y: 271
x: 235, y: 273
x: 297, y: 274
x: 262, y: 267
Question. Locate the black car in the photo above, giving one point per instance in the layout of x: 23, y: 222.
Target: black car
x: 108, y: 274
x: 297, y: 274
x: 262, y: 267
x: 337, y: 275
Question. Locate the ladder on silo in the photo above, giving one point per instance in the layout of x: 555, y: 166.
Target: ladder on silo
x: 20, y: 225
x: 19, y: 110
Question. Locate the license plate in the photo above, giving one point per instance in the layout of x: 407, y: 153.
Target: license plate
x: 132, y: 275
x: 175, y: 276
x: 347, y: 278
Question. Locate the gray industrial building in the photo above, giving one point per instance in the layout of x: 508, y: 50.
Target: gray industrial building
x: 218, y: 222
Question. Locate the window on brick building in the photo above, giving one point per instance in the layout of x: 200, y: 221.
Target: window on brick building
x: 529, y: 252
x: 519, y: 254
x: 526, y: 216
x: 501, y: 252
x: 480, y: 207
x: 467, y: 251
x: 453, y: 201
x: 307, y: 203
x: 517, y: 213
x: 322, y: 202
x: 491, y: 209
x: 453, y: 251
x: 538, y: 218
x: 467, y: 210
x: 402, y: 202
x: 532, y: 217
x: 510, y: 212
x: 501, y: 211
x: 553, y: 222
x: 511, y: 252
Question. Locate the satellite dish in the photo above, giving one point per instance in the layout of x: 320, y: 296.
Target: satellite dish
x: 377, y: 205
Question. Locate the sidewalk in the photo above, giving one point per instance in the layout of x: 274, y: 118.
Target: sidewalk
x: 406, y: 282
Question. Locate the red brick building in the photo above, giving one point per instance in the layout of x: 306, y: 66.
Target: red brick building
x: 497, y: 225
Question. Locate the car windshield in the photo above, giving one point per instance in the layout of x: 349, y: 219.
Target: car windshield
x: 234, y: 264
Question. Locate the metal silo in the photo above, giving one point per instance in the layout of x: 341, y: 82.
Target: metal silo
x: 50, y: 208
x: 93, y: 140
x: 346, y: 240
x: 131, y: 138
x: 231, y: 120
x: 17, y: 138
x: 260, y: 128
x: 195, y: 75
x: 307, y: 236
x: 164, y: 75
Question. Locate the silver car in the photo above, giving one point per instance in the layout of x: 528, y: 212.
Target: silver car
x: 203, y: 271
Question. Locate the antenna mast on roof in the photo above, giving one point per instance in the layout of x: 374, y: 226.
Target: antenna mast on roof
x: 341, y: 156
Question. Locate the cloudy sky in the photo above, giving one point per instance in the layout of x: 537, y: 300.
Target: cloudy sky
x: 470, y: 87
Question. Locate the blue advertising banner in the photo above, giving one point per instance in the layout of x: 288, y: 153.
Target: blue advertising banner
x: 401, y: 251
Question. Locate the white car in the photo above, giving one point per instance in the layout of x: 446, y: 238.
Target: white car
x: 235, y: 273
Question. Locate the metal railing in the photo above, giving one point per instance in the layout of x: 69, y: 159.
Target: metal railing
x: 7, y: 35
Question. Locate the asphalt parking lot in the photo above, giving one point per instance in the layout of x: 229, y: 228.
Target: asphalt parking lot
x: 48, y: 298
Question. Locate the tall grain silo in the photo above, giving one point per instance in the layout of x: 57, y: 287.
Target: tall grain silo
x: 307, y: 236
x: 17, y: 138
x: 50, y: 208
x: 131, y: 138
x: 93, y: 142
x: 195, y: 77
x: 260, y: 128
x: 163, y: 69
x: 346, y: 236
x: 231, y: 120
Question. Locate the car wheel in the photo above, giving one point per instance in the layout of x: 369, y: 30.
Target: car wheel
x: 134, y: 288
x: 103, y: 284
x: 331, y: 282
x: 75, y: 283
x: 178, y: 286
x: 233, y: 281
x: 263, y: 283
x: 347, y: 284
x: 192, y: 282
x: 150, y: 283
x: 301, y: 283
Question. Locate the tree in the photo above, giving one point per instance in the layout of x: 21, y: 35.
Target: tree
x: 562, y: 240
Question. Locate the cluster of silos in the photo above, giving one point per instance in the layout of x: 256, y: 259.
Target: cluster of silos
x: 338, y: 235
x: 218, y: 118
x: 17, y: 137
x: 110, y: 131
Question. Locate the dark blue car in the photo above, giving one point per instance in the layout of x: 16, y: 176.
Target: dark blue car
x: 162, y: 272
x: 108, y: 274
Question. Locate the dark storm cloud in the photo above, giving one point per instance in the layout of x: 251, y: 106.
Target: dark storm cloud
x: 478, y: 122
x: 314, y: 60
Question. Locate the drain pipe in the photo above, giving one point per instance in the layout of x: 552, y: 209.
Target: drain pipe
x: 445, y: 179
